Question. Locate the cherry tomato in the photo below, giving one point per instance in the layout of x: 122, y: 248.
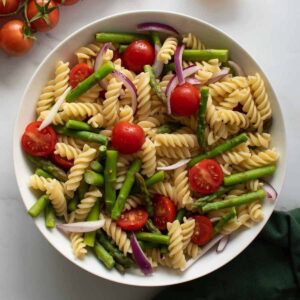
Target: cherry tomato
x: 206, y: 176
x: 137, y: 55
x: 185, y: 100
x: 62, y: 162
x: 203, y: 230
x: 164, y: 211
x: 133, y: 220
x: 48, y: 19
x: 78, y: 73
x: 67, y: 2
x: 13, y: 40
x: 38, y: 143
x: 127, y: 138
x: 9, y: 7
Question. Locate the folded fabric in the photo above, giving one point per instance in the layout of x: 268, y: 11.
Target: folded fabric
x: 268, y: 269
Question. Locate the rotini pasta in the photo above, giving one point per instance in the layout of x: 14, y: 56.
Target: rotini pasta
x: 167, y: 50
x: 46, y: 98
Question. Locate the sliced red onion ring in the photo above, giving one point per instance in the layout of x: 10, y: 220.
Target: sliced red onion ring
x: 215, y: 219
x: 222, y: 244
x: 160, y: 27
x: 81, y: 226
x: 130, y: 86
x: 54, y: 109
x: 205, y: 249
x: 139, y: 256
x: 192, y: 80
x: 270, y: 191
x: 219, y: 75
x: 99, y: 58
x: 158, y: 65
x: 174, y: 82
x: 237, y: 68
x: 175, y: 166
x: 178, y: 63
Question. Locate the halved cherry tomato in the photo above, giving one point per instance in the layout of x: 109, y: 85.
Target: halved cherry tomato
x: 127, y: 138
x: 133, y: 220
x: 8, y: 6
x: 164, y: 211
x: 185, y: 100
x: 206, y: 176
x: 203, y: 230
x: 78, y: 73
x: 67, y: 2
x: 137, y: 55
x: 62, y: 162
x: 38, y: 143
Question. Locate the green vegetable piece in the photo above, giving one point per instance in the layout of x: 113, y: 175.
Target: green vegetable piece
x: 49, y: 214
x: 110, y: 177
x: 87, y: 83
x: 82, y: 189
x: 96, y: 166
x: 102, y: 154
x: 93, y: 178
x: 39, y: 206
x: 180, y: 214
x: 249, y: 175
x: 104, y: 256
x: 78, y: 125
x: 72, y: 205
x: 122, y: 48
x: 42, y: 173
x: 49, y: 167
x: 224, y: 220
x: 208, y: 54
x: 120, y: 268
x: 153, y: 238
x: 229, y: 144
x: 201, y: 117
x: 155, y: 178
x: 148, y: 245
x: 168, y: 128
x: 155, y: 38
x: 125, y: 189
x: 90, y: 237
x: 170, y: 67
x: 235, y: 201
x: 119, y: 37
x: 151, y: 227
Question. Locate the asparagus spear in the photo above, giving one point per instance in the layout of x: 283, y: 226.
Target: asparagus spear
x: 72, y: 205
x: 153, y: 238
x: 155, y: 38
x: 119, y: 38
x: 201, y: 117
x: 89, y: 237
x: 229, y: 144
x: 49, y: 214
x: 249, y: 175
x: 102, y: 154
x: 119, y: 268
x: 199, y: 55
x: 180, y: 214
x: 120, y: 258
x: 155, y: 178
x: 93, y: 178
x: 151, y: 227
x: 82, y: 189
x: 122, y: 48
x: 125, y: 189
x: 42, y: 173
x: 110, y: 177
x: 143, y: 188
x: 168, y: 128
x: 83, y: 135
x: 104, y: 256
x: 170, y: 67
x: 78, y: 125
x: 209, y: 198
x: 96, y: 166
x: 225, y: 219
x: 49, y: 167
x: 235, y: 201
x: 148, y: 245
x: 36, y: 209
x: 86, y: 84
x: 154, y: 84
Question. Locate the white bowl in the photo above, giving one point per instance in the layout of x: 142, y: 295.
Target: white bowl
x: 212, y: 37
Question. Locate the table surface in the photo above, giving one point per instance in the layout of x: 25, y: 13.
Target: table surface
x: 30, y: 268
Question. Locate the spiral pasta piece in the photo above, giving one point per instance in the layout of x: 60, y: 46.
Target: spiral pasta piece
x: 96, y: 121
x: 165, y: 81
x: 259, y: 139
x: 111, y: 102
x: 191, y: 41
x: 55, y: 193
x: 61, y: 79
x: 187, y: 228
x: 39, y: 182
x: 236, y: 155
x: 148, y: 157
x: 191, y: 122
x: 192, y: 250
x: 80, y: 110
x: 76, y: 143
x: 117, y: 234
x: 122, y: 168
x: 253, y: 185
x: 81, y: 163
x: 233, y: 118
x: 149, y: 125
x: 163, y: 188
x: 65, y: 150
x: 88, y: 53
x: 132, y: 202
x: 46, y: 98
x: 167, y: 50
x: 91, y: 95
x: 176, y: 140
x: 260, y: 96
x: 78, y: 245
x: 255, y: 212
x: 126, y: 114
x: 176, y: 245
x: 233, y: 99
x: 169, y: 152
x: 243, y: 216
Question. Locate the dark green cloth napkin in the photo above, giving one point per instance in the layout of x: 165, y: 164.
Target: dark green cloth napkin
x: 268, y: 269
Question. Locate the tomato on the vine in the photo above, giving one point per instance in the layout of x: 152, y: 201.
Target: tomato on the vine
x: 62, y: 162
x: 67, y: 2
x: 78, y: 73
x: 43, y: 15
x: 133, y: 220
x: 13, y: 39
x: 203, y: 230
x: 8, y: 6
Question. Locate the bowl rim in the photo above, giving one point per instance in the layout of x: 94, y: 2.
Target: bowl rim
x: 16, y: 140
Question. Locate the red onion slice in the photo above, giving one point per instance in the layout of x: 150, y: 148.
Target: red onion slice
x: 54, y: 109
x: 158, y: 65
x: 174, y: 82
x: 222, y: 244
x: 130, y: 86
x: 81, y: 226
x: 178, y: 63
x: 215, y: 219
x: 193, y: 81
x: 218, y: 76
x: 270, y: 191
x: 99, y: 58
x: 175, y: 166
x: 237, y: 68
x: 160, y: 27
x: 139, y: 256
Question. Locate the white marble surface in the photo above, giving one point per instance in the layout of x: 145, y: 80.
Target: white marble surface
x: 29, y: 267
